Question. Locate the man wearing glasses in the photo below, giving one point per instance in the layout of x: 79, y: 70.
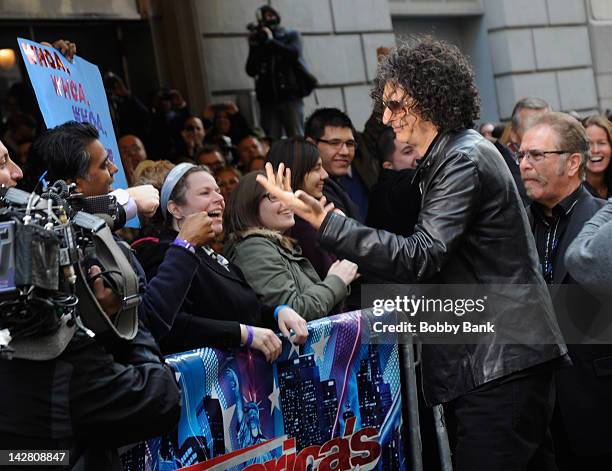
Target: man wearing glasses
x: 333, y: 133
x: 553, y: 155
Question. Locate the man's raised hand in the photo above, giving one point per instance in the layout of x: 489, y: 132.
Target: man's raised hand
x: 307, y: 207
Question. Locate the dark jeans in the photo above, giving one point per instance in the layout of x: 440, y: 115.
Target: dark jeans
x: 567, y: 459
x: 504, y: 425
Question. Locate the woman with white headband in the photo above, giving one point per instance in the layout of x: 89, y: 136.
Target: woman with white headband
x: 220, y: 309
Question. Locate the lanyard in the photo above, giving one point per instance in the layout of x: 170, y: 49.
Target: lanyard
x: 549, y: 252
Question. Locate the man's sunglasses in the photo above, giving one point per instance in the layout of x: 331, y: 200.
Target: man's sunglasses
x: 395, y: 106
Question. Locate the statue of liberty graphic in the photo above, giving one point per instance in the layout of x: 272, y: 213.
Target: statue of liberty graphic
x: 247, y: 414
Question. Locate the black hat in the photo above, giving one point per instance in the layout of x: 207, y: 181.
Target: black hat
x: 261, y: 14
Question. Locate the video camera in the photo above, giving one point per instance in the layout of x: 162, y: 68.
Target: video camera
x: 257, y: 34
x: 47, y: 245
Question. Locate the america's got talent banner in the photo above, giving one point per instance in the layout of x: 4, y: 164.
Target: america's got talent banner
x: 331, y: 404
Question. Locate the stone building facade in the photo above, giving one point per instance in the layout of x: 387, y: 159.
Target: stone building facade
x: 339, y: 47
x: 557, y: 49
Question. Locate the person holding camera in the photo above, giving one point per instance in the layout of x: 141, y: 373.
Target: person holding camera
x: 281, y: 80
x: 92, y: 395
x: 10, y: 173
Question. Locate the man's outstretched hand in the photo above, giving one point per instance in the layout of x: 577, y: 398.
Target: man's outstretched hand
x: 307, y: 207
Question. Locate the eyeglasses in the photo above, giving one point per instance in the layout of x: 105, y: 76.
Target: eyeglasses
x: 534, y: 155
x: 395, y: 106
x: 271, y: 198
x: 338, y: 143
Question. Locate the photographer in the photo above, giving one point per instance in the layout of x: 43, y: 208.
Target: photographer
x: 92, y: 395
x: 275, y: 60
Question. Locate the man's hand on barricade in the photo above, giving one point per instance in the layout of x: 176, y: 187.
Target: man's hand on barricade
x: 289, y: 320
x: 146, y: 198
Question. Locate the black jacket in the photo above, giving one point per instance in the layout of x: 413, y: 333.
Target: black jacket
x: 273, y: 63
x: 472, y: 229
x: 335, y: 193
x: 217, y: 302
x: 99, y: 394
x: 584, y: 391
x: 89, y: 400
x: 394, y: 202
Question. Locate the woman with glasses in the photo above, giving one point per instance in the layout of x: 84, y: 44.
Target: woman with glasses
x: 257, y: 225
x: 599, y: 172
x: 220, y: 309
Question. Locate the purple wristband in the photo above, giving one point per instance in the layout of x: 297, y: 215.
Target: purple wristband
x: 183, y: 243
x: 250, y: 333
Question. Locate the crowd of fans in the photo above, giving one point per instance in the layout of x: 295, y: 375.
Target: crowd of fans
x: 249, y: 265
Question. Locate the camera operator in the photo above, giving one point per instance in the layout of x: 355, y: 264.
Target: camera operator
x: 73, y: 152
x: 275, y: 60
x: 10, y: 173
x: 98, y: 393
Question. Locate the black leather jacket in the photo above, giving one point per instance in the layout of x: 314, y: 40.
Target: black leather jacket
x: 472, y: 229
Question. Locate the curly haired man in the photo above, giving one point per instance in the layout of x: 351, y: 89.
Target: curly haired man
x: 498, y: 391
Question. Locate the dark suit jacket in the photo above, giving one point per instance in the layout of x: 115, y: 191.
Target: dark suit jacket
x: 218, y: 301
x: 395, y: 202
x: 334, y: 193
x: 584, y: 390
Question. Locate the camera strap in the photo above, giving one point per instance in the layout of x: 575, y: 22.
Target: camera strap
x: 123, y: 324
